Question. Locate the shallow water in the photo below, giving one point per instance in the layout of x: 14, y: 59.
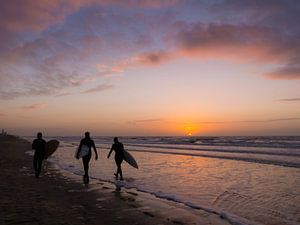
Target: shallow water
x: 245, y: 180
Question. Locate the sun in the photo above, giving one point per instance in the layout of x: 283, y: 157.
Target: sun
x: 190, y: 129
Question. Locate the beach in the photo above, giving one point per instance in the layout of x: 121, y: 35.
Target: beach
x: 58, y: 199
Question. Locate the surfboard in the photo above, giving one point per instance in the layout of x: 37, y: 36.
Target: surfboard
x: 130, y: 159
x: 51, y: 147
x: 83, y: 151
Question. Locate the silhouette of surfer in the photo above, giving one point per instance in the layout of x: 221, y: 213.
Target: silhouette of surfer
x: 86, y: 159
x: 39, y: 145
x: 119, y: 156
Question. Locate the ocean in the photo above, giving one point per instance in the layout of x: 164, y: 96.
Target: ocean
x: 246, y: 180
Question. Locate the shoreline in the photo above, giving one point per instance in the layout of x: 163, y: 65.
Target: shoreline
x: 60, y: 198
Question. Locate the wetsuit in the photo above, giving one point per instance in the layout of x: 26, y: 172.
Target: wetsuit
x: 39, y: 145
x: 119, y: 156
x: 86, y: 159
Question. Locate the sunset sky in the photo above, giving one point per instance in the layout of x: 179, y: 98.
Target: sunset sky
x: 153, y: 67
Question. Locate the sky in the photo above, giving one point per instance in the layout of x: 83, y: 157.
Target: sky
x: 152, y: 67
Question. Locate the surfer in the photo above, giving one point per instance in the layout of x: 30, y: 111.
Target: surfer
x: 39, y: 145
x: 87, y: 141
x: 119, y: 156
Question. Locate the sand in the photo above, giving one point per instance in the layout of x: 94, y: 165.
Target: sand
x: 58, y: 198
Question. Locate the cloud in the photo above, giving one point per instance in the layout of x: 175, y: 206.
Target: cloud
x: 2, y: 114
x: 288, y: 72
x: 250, y: 43
x: 154, y: 58
x: 99, y: 88
x: 290, y: 99
x: 243, y: 43
x: 34, y: 106
x: 29, y: 14
x: 154, y: 120
x: 252, y: 121
x: 64, y: 94
x: 48, y: 47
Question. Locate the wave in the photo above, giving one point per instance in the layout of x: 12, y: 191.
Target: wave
x: 265, y: 151
x: 253, y: 160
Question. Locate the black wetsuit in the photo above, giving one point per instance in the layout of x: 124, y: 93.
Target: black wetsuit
x: 86, y: 159
x: 119, y: 156
x: 39, y: 145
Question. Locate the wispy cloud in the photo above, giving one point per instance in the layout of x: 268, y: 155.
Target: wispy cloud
x: 64, y: 94
x: 34, y: 106
x: 289, y: 99
x: 2, y: 114
x: 252, y: 121
x: 142, y: 121
x: 99, y: 88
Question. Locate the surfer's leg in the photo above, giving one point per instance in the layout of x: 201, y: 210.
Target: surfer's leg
x: 86, y: 161
x: 119, y: 169
x: 35, y: 163
x: 39, y: 165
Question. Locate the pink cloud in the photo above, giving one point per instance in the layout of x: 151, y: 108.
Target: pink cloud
x: 34, y: 106
x: 240, y: 43
x: 2, y: 114
x: 154, y: 58
x: 225, y: 40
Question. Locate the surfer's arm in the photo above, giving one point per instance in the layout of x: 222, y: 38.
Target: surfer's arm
x: 95, y: 150
x: 110, y: 152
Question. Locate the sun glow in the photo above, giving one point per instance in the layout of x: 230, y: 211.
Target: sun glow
x: 190, y: 129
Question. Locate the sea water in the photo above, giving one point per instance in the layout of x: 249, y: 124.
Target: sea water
x: 254, y: 179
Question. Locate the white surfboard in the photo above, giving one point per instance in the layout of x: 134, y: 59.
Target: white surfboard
x: 130, y: 160
x: 83, y: 151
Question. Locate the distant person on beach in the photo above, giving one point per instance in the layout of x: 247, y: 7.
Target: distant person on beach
x: 39, y: 145
x: 87, y: 141
x: 119, y: 156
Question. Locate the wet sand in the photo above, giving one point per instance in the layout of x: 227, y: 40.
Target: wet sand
x: 57, y: 198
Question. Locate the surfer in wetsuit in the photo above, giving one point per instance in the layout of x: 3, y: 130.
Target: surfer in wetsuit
x: 39, y: 145
x: 119, y: 156
x: 86, y: 159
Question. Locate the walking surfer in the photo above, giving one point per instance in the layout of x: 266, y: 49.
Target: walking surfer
x: 39, y: 145
x: 89, y: 143
x: 119, y: 156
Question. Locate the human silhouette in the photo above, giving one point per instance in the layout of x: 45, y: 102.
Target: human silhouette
x: 119, y: 156
x: 86, y: 159
x: 39, y: 145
